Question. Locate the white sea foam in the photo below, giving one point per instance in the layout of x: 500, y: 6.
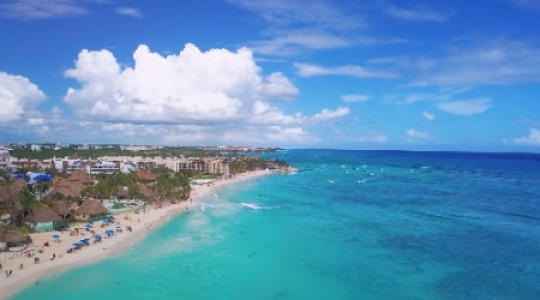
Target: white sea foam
x: 254, y: 206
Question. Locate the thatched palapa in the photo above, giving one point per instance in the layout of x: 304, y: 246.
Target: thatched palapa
x: 42, y: 214
x: 82, y: 177
x: 146, y: 175
x: 68, y: 188
x: 89, y: 209
x: 61, y: 208
x: 10, y: 192
x: 15, y: 238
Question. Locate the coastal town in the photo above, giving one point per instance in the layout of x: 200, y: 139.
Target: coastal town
x: 59, y: 205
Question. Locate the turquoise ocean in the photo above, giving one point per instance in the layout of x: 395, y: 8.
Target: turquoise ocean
x: 348, y: 225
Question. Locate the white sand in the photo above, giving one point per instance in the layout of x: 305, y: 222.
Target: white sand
x: 141, y: 224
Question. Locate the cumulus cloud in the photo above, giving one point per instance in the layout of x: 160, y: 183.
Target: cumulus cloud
x: 18, y: 96
x: 310, y: 70
x: 466, y: 108
x: 129, y: 11
x: 428, y: 117
x: 415, y: 134
x: 192, y: 87
x: 355, y: 98
x: 532, y: 139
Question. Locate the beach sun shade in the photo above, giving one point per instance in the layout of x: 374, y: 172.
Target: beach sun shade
x: 55, y: 236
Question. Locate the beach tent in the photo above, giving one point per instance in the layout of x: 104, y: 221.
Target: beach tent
x: 17, y: 176
x: 33, y: 177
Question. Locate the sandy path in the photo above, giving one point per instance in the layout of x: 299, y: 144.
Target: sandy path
x: 141, y: 224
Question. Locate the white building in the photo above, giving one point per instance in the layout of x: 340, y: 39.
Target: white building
x: 35, y: 147
x: 5, y: 158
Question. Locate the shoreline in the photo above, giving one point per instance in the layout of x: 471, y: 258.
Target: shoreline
x: 116, y: 245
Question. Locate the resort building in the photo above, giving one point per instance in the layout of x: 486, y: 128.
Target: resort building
x: 5, y: 158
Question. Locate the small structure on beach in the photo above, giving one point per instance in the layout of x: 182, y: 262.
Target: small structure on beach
x: 62, y: 209
x: 11, y: 239
x: 90, y: 209
x: 42, y: 218
x: 3, y: 243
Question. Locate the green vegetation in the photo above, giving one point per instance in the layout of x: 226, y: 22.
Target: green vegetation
x: 48, y: 151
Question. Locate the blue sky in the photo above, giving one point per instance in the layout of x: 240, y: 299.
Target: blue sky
x: 414, y: 75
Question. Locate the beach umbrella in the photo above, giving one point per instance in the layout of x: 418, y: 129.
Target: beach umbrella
x: 55, y: 236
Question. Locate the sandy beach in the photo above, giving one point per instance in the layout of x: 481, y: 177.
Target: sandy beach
x: 141, y: 224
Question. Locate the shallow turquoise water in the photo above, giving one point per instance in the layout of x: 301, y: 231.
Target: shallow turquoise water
x: 349, y: 225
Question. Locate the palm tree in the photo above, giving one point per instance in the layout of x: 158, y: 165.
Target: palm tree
x: 27, y: 201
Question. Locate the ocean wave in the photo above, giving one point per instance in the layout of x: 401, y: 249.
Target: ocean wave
x: 254, y: 206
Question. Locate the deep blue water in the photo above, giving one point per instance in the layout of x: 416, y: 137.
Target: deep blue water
x: 348, y: 225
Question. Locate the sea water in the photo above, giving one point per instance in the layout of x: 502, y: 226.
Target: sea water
x: 347, y: 225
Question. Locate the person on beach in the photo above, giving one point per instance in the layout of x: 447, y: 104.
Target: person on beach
x: 21, y: 266
x: 53, y: 256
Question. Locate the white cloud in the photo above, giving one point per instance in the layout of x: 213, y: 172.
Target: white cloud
x: 278, y: 87
x: 293, y: 26
x: 372, y: 138
x: 282, y: 13
x: 466, y: 108
x: 497, y: 61
x: 355, y: 98
x: 129, y: 11
x: 310, y: 70
x: 326, y: 114
x: 289, y: 42
x: 18, y: 96
x: 419, y: 14
x: 415, y: 134
x: 36, y: 121
x: 428, y: 116
x: 40, y: 9
x: 532, y: 139
x: 192, y: 87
